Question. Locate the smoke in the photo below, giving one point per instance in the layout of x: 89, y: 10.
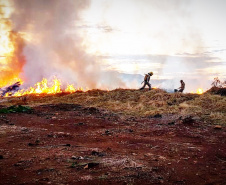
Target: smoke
x: 184, y: 49
x: 53, y: 47
x: 161, y: 31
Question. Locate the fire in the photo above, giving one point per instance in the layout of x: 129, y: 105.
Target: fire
x: 199, y: 91
x: 45, y: 87
x: 70, y: 89
x: 42, y: 88
x: 11, y: 47
x: 12, y: 59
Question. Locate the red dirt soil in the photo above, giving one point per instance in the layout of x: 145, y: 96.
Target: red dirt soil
x: 71, y: 144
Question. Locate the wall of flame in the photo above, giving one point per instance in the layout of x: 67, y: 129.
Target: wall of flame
x: 12, y: 59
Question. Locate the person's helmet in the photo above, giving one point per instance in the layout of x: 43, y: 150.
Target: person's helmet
x: 151, y: 73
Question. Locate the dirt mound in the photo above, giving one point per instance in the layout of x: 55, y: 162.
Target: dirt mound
x: 133, y: 102
x: 217, y: 90
x: 60, y: 107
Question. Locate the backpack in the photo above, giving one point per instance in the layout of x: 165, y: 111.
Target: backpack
x: 146, y: 77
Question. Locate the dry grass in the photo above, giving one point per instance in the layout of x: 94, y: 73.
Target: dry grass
x: 211, y: 108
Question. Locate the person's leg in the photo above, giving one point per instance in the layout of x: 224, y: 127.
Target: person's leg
x: 149, y: 85
x: 143, y: 86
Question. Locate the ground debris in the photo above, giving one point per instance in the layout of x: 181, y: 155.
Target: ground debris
x: 96, y: 153
x: 66, y: 145
x: 155, y: 116
x: 218, y: 127
x: 60, y: 135
x: 171, y: 123
x: 91, y: 165
x: 107, y: 132
x: 92, y: 110
x: 187, y: 120
x: 77, y: 158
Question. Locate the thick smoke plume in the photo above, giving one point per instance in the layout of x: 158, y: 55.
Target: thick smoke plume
x: 53, y: 46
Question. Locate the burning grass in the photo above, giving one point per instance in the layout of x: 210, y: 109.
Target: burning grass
x: 208, y: 107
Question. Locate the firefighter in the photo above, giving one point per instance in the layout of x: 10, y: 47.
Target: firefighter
x: 182, y: 86
x: 146, y: 80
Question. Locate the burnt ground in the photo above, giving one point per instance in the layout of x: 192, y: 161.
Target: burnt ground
x: 71, y: 144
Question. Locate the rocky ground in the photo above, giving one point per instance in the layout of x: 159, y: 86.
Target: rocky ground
x: 72, y: 144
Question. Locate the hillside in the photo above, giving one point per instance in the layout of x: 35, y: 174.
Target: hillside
x: 207, y: 107
x: 113, y: 137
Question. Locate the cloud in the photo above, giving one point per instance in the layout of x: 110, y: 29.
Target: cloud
x: 195, y: 69
x: 99, y: 27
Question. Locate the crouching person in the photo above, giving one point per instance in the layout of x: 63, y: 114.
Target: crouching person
x: 181, y: 88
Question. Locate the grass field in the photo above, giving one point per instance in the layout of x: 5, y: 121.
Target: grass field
x: 207, y: 107
x: 122, y: 137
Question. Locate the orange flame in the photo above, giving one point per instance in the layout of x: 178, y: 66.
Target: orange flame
x: 43, y: 87
x: 70, y: 89
x: 11, y: 47
x: 199, y: 91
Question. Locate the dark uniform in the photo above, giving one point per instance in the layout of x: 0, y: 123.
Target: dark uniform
x: 182, y: 87
x: 146, y: 81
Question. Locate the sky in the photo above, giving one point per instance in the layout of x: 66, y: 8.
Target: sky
x: 174, y: 39
x: 113, y: 43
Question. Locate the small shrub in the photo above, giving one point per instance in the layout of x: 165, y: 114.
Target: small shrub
x: 15, y: 108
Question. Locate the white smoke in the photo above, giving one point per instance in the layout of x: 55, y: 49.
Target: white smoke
x: 54, y: 47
